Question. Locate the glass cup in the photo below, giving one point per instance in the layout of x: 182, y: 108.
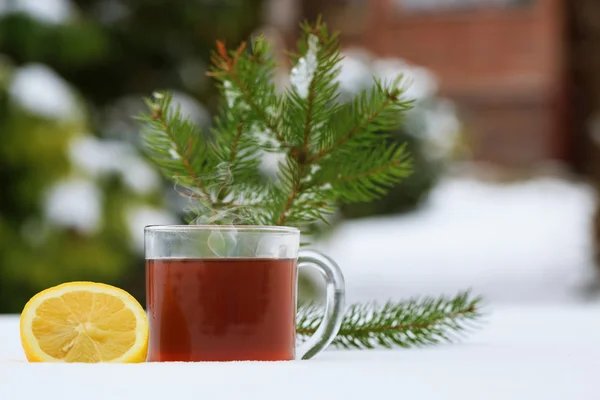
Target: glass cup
x: 227, y: 293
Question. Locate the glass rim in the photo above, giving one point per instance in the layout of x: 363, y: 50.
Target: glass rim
x: 242, y: 228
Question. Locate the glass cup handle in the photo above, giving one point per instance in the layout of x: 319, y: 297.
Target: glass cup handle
x: 334, y: 306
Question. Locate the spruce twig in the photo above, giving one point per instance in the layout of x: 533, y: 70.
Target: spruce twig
x: 415, y: 322
x: 330, y: 153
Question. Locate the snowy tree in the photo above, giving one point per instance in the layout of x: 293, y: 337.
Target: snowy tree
x: 74, y: 191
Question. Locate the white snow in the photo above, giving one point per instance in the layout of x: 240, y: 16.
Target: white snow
x: 190, y: 108
x: 433, y: 119
x: 524, y: 246
x: 231, y: 94
x: 442, y: 129
x: 40, y: 90
x: 355, y: 72
x: 423, y: 83
x: 513, y: 243
x: 302, y: 73
x: 174, y: 154
x: 138, y: 175
x: 263, y: 135
x: 74, y: 203
x: 141, y: 216
x: 359, y: 67
x: 270, y: 158
x: 49, y: 11
x: 102, y: 157
x: 269, y: 162
x: 521, y: 353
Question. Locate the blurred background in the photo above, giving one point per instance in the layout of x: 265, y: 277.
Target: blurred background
x: 505, y: 133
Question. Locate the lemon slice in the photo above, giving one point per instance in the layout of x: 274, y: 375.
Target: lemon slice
x: 84, y: 322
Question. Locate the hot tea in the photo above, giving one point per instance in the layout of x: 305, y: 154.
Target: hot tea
x: 227, y: 293
x: 222, y: 309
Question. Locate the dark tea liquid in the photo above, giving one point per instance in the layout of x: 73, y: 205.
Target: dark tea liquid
x: 221, y: 309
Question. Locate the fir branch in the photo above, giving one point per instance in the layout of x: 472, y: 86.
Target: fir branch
x: 415, y: 322
x: 368, y: 114
x: 309, y: 103
x: 175, y: 145
x: 248, y: 98
x: 251, y: 75
x: 290, y: 200
x: 236, y: 139
x: 367, y: 119
x: 333, y: 153
x: 370, y: 175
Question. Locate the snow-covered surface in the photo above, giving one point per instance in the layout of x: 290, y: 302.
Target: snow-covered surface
x: 433, y: 119
x: 359, y: 67
x: 230, y: 94
x: 40, y: 90
x: 421, y: 83
x: 77, y: 201
x: 191, y: 108
x: 49, y: 11
x: 74, y: 203
x: 98, y: 158
x: 440, y: 128
x: 520, y: 353
x: 513, y: 243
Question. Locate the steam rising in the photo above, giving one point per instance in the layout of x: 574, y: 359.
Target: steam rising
x: 210, y: 206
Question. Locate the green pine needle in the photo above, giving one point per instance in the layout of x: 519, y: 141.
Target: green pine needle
x: 411, y: 323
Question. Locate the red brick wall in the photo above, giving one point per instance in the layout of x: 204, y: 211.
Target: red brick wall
x: 503, y: 66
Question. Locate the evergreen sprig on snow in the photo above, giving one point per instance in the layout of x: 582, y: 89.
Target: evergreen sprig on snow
x: 415, y: 322
x: 331, y: 152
